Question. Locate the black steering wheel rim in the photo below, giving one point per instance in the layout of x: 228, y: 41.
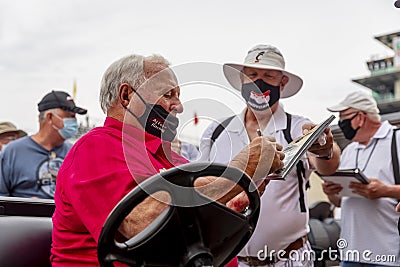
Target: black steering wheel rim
x: 179, y: 183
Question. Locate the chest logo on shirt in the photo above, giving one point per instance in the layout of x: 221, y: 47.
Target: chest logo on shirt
x: 47, y: 174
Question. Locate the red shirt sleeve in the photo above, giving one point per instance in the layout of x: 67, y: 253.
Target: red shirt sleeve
x: 96, y: 183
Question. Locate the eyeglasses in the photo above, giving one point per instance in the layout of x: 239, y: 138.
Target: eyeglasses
x: 58, y: 116
x: 9, y: 138
x: 341, y: 116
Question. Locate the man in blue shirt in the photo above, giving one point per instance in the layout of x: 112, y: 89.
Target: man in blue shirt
x: 29, y: 165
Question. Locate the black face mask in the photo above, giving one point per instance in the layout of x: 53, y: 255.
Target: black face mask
x: 348, y: 131
x: 260, y: 95
x: 157, y: 121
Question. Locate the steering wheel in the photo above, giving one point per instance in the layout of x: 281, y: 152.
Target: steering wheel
x: 193, y: 231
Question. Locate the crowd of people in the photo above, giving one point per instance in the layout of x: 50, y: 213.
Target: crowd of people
x: 141, y: 99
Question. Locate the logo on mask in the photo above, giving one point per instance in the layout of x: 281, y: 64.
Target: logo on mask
x: 158, y: 125
x: 260, y: 95
x: 260, y: 98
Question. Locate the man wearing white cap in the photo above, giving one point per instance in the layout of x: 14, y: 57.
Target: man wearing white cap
x: 283, y: 222
x: 369, y: 222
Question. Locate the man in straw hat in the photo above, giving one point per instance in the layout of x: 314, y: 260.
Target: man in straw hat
x: 8, y: 133
x: 263, y: 81
x: 369, y: 222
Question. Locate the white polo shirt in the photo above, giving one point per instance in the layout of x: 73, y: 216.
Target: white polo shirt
x: 371, y: 225
x: 281, y: 222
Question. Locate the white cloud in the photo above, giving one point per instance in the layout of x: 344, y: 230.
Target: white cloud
x: 47, y: 44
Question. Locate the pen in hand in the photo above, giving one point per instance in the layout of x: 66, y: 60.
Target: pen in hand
x: 259, y: 133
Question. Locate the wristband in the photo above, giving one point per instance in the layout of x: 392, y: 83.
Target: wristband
x: 326, y: 157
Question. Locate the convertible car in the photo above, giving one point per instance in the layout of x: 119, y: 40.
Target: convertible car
x: 25, y: 225
x: 25, y: 231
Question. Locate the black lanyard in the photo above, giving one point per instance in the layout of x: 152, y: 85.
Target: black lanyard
x: 369, y: 156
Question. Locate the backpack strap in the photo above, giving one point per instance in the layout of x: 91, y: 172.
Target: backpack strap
x: 395, y: 158
x: 300, y: 170
x: 395, y: 164
x: 217, y: 132
x: 286, y: 132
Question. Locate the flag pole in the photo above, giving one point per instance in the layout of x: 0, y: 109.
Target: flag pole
x: 74, y: 90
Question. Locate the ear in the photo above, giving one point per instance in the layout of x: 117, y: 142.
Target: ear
x: 49, y: 116
x: 284, y: 81
x: 363, y: 118
x: 123, y: 94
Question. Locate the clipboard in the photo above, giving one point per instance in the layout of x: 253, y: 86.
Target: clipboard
x: 344, y: 177
x: 298, y: 147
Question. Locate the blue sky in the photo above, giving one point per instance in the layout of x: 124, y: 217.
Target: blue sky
x: 46, y: 44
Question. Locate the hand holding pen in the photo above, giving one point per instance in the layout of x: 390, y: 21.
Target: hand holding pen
x: 277, y: 164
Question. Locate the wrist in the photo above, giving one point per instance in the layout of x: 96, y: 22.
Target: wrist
x: 328, y: 157
x: 392, y: 191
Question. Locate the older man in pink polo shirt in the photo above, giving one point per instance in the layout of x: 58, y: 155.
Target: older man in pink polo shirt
x: 134, y: 144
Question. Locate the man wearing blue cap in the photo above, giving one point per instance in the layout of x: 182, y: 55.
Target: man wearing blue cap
x: 29, y: 165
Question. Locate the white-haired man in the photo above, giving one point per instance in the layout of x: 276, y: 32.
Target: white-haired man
x: 368, y: 223
x: 29, y: 165
x: 140, y: 96
x: 283, y: 223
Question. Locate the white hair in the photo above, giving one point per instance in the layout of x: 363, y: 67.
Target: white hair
x: 374, y: 117
x: 130, y: 70
x: 42, y: 114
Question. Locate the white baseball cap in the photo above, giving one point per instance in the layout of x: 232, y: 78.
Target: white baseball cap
x: 357, y: 100
x: 263, y: 57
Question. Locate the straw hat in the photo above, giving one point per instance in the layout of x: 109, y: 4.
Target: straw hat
x: 7, y: 127
x: 263, y: 57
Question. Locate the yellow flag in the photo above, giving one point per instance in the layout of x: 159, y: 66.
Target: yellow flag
x: 74, y: 91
